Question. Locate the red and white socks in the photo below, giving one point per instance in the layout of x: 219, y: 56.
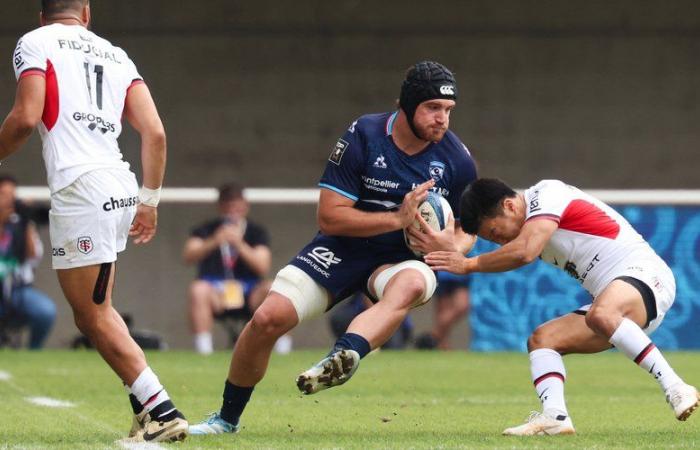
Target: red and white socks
x: 633, y: 342
x: 153, y: 396
x: 548, y: 376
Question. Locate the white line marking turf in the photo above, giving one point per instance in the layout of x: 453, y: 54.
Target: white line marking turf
x: 50, y: 402
x: 140, y: 445
x: 5, y: 376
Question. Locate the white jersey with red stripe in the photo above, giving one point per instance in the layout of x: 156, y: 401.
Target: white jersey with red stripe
x: 87, y: 79
x: 593, y: 243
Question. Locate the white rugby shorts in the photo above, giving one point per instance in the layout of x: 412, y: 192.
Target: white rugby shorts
x: 90, y: 219
x: 656, y: 274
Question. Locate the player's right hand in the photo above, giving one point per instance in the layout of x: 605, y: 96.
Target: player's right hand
x: 409, y: 207
x: 143, y: 228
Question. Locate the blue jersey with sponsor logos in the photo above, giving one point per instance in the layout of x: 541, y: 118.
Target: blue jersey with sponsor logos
x: 366, y: 166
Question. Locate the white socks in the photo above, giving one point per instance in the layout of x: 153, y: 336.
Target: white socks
x: 203, y: 343
x: 633, y: 342
x: 148, y: 390
x: 548, y: 375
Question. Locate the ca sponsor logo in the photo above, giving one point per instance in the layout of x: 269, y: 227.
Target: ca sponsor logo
x: 95, y: 122
x: 58, y: 251
x: 85, y: 245
x: 447, y: 89
x: 324, y: 257
x: 338, y: 150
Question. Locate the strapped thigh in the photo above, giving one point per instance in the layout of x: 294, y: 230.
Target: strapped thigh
x: 381, y: 280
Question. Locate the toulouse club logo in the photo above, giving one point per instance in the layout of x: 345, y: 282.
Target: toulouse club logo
x: 85, y: 244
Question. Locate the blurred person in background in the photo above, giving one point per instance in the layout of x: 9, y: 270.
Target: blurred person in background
x: 21, y: 304
x: 451, y: 307
x: 233, y: 257
x: 75, y: 87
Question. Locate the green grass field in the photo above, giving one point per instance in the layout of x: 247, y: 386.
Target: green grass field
x: 396, y: 400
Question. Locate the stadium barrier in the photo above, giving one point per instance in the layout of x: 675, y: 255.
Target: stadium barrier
x: 507, y: 307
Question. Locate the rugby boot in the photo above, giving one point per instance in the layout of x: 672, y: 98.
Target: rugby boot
x: 683, y: 399
x: 542, y: 424
x: 333, y: 370
x: 172, y: 430
x: 139, y: 422
x: 214, y: 424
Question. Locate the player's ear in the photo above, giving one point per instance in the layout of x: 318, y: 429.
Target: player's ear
x: 508, y: 204
x: 86, y: 14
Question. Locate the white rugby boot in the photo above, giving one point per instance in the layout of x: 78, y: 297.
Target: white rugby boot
x: 161, y: 431
x: 332, y: 370
x: 542, y: 424
x: 139, y: 422
x: 683, y: 399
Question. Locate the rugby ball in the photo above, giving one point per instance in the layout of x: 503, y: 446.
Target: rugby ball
x: 435, y: 210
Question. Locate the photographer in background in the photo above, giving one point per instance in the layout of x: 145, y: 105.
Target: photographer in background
x: 233, y: 257
x: 20, y: 252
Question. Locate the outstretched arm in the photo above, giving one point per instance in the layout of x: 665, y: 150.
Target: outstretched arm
x: 25, y: 115
x: 523, y: 250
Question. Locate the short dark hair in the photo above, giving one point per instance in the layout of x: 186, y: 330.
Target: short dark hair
x: 7, y: 178
x: 230, y: 191
x: 482, y: 199
x: 51, y: 7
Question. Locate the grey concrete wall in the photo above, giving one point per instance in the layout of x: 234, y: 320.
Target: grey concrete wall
x: 599, y: 93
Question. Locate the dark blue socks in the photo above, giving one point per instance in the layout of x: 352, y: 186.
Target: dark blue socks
x: 352, y: 341
x: 235, y: 399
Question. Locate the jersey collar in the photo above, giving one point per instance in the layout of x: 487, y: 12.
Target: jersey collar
x: 390, y: 123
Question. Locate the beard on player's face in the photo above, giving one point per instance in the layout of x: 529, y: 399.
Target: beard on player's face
x: 432, y: 132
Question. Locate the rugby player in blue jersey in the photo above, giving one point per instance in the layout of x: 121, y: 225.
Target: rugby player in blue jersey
x: 377, y: 174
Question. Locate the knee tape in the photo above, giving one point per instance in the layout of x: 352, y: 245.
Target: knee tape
x: 308, y: 297
x: 383, y: 279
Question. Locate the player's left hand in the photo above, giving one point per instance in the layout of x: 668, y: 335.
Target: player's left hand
x: 143, y: 228
x: 427, y: 240
x: 453, y: 262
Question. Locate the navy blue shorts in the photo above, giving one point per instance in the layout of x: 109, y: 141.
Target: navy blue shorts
x: 344, y: 265
x: 449, y: 282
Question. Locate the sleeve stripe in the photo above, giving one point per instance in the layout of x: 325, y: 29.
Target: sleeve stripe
x: 339, y: 191
x: 553, y: 217
x: 32, y: 71
x: 135, y: 82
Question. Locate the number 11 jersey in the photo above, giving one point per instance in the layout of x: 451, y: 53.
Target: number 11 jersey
x: 87, y: 80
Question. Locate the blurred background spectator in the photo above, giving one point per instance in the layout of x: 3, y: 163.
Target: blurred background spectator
x: 21, y: 305
x: 233, y: 257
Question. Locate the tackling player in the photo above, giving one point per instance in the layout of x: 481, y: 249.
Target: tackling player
x: 74, y: 86
x: 631, y: 286
x: 376, y: 176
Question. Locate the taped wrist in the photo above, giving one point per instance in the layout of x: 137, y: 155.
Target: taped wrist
x: 149, y: 197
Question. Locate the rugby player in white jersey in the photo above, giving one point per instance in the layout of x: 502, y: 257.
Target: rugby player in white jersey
x: 631, y: 286
x: 75, y: 86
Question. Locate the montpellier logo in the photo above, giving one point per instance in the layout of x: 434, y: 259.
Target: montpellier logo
x: 436, y: 170
x: 446, y: 89
x: 380, y: 162
x: 324, y: 257
x: 85, y: 245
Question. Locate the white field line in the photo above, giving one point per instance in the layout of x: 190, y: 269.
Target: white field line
x: 140, y: 445
x: 73, y: 412
x: 50, y: 402
x: 5, y: 376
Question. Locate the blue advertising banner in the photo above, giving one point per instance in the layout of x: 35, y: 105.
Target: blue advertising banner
x: 507, y: 307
